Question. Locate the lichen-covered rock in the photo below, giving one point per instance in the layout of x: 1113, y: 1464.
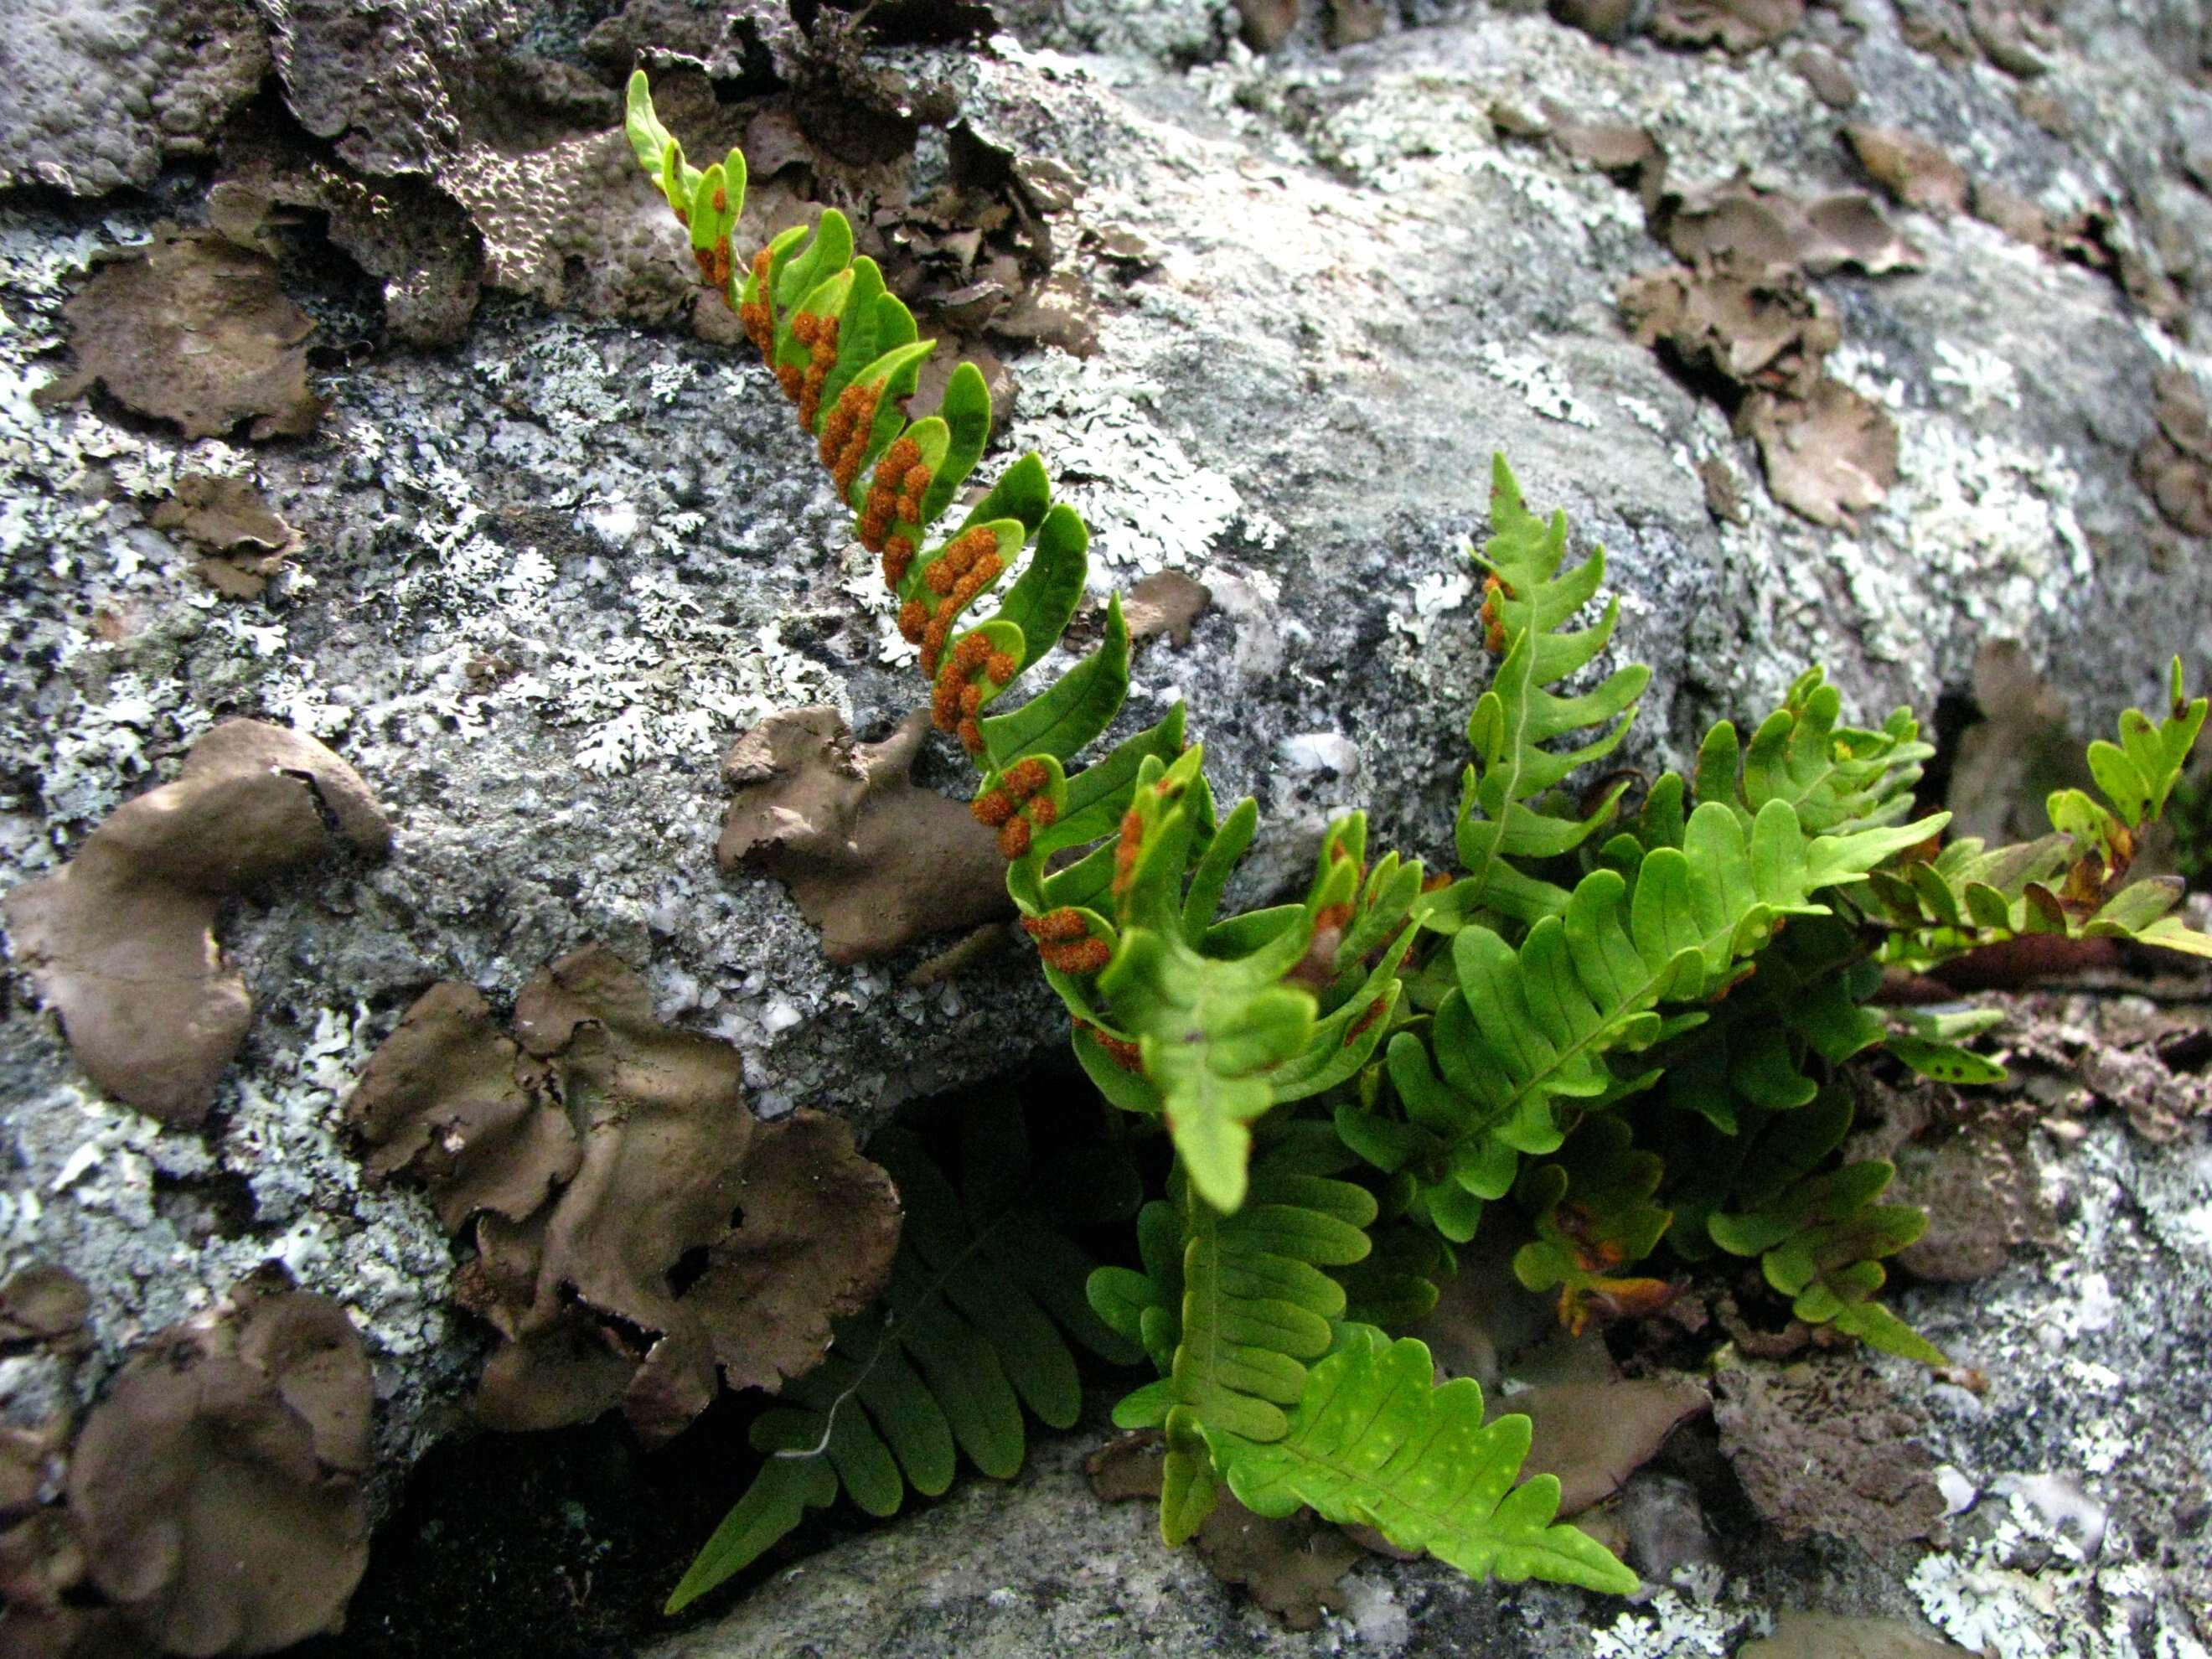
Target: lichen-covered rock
x: 101, y: 92
x: 547, y: 574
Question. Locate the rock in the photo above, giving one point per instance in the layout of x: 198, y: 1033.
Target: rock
x: 552, y: 572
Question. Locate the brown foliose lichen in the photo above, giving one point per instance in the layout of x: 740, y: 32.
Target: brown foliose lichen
x: 642, y: 1239
x: 120, y: 941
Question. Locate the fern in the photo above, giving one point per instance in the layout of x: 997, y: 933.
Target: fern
x: 1375, y: 1442
x: 1236, y: 1306
x: 1594, y: 1217
x: 985, y: 1293
x: 2070, y: 884
x: 1614, y: 1028
x: 1526, y: 601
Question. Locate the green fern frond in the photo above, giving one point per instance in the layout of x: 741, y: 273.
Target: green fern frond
x: 1223, y: 1028
x: 1804, y: 1002
x: 1243, y: 1303
x: 1375, y: 1442
x: 1838, y: 778
x: 1821, y: 1238
x: 1528, y: 602
x: 2070, y: 884
x: 985, y: 1293
x: 1525, y: 1028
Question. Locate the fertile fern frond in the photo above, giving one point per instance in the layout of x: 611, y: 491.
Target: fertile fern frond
x: 1526, y: 604
x: 2070, y: 884
x: 1227, y: 1020
x: 985, y: 1293
x: 846, y: 353
x: 1376, y: 1441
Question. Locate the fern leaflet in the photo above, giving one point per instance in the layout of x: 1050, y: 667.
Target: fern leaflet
x: 984, y: 1294
x: 1375, y: 1442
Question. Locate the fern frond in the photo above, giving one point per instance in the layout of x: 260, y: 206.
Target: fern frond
x: 1594, y: 1218
x: 1528, y: 602
x: 1375, y: 1442
x: 1524, y: 1028
x: 1838, y: 778
x: 1220, y: 1025
x: 985, y: 1293
x: 2070, y: 884
x: 1821, y: 1238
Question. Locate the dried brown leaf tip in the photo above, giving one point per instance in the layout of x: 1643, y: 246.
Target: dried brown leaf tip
x: 246, y: 542
x: 1911, y: 169
x: 120, y: 941
x: 2174, y: 464
x: 216, y: 1492
x: 1832, y: 454
x: 193, y: 329
x: 875, y: 861
x: 641, y: 1238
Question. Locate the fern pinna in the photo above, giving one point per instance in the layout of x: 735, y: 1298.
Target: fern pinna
x: 1620, y: 1029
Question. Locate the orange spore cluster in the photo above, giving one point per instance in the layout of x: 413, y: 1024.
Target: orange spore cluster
x: 819, y: 335
x: 1332, y: 917
x: 1125, y: 1055
x: 1358, y: 1027
x: 714, y: 264
x: 792, y: 378
x: 1015, y: 809
x: 898, y: 558
x: 972, y: 563
x: 844, y: 435
x: 1494, y: 592
x: 913, y: 486
x: 1125, y: 850
x: 755, y: 313
x: 878, y: 510
x: 1064, y: 941
x: 913, y: 621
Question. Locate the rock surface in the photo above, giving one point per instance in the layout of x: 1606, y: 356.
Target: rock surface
x: 545, y: 577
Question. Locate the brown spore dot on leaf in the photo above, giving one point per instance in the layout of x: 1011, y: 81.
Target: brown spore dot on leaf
x: 120, y: 941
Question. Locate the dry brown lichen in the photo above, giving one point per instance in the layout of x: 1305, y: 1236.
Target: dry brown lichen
x: 1735, y: 26
x: 1166, y: 604
x: 192, y: 329
x: 1823, y: 1446
x: 2175, y: 462
x: 46, y: 1305
x: 1763, y: 334
x: 1593, y: 1436
x: 120, y: 941
x: 1911, y: 169
x: 246, y: 542
x: 874, y: 861
x: 637, y: 1230
x: 216, y: 1490
x: 1828, y: 455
